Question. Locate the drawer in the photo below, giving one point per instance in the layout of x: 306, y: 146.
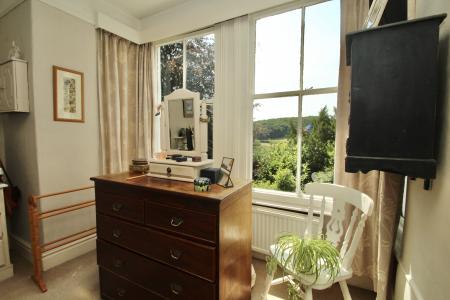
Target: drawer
x: 154, y: 276
x: 182, y: 221
x: 129, y: 206
x: 115, y: 287
x: 170, y: 170
x: 182, y: 254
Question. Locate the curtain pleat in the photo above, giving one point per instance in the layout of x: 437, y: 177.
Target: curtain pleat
x: 373, y: 257
x: 125, y: 100
x: 232, y: 108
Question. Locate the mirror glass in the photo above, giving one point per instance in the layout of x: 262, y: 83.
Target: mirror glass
x: 181, y: 124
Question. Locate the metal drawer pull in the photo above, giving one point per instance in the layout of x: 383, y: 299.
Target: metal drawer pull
x: 116, y: 233
x: 117, y: 206
x: 118, y: 263
x: 121, y: 292
x: 175, y: 254
x: 169, y: 172
x: 175, y: 222
x: 176, y: 288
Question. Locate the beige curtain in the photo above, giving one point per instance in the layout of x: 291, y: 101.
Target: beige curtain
x: 374, y: 254
x: 125, y: 101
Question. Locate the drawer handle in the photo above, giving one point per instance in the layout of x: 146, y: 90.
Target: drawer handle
x: 175, y: 254
x: 117, y: 206
x: 169, y: 171
x: 118, y: 263
x: 176, y: 288
x: 175, y: 221
x: 121, y: 292
x: 116, y: 233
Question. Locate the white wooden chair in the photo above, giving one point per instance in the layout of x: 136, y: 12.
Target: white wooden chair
x: 362, y: 206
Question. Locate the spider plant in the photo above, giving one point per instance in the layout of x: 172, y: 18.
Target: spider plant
x: 304, y: 257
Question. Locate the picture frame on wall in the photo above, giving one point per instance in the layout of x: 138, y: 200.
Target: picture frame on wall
x: 68, y: 95
x: 376, y: 11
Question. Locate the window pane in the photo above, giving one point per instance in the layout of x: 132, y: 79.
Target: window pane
x: 200, y: 65
x: 171, y: 58
x: 277, y: 53
x: 275, y: 143
x: 322, y: 42
x: 318, y: 133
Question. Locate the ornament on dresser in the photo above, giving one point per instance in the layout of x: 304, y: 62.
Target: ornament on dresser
x: 139, y: 165
x: 225, y: 172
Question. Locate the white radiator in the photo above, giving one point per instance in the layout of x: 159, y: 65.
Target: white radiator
x: 270, y: 223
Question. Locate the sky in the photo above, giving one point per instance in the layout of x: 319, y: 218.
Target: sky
x: 277, y: 59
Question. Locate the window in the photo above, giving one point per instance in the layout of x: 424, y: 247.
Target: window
x: 295, y: 96
x: 188, y: 63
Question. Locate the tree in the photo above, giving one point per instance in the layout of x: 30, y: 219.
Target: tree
x: 318, y: 146
x: 200, y: 68
x: 275, y: 161
x: 171, y: 59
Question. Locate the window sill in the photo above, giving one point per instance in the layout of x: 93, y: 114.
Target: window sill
x: 288, y: 201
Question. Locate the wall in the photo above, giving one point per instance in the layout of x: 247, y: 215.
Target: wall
x: 67, y: 153
x: 424, y: 269
x: 19, y: 128
x: 42, y: 155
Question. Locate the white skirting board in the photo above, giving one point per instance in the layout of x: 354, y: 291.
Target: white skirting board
x: 6, y: 272
x: 58, y: 255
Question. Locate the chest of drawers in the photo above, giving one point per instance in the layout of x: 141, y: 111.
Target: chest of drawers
x: 158, y: 239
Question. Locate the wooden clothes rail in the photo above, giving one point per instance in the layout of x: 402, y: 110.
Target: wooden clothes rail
x: 35, y: 218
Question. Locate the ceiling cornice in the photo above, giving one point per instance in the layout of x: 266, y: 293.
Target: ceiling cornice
x: 101, y: 14
x: 7, y: 5
x: 186, y: 17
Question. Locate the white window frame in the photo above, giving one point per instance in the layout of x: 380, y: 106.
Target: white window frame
x: 157, y: 74
x: 288, y: 200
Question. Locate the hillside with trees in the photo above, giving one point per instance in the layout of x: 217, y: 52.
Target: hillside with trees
x: 275, y: 151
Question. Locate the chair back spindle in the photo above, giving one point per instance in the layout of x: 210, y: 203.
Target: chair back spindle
x: 362, y: 208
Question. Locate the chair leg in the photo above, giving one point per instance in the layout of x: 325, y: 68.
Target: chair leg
x: 308, y: 293
x: 269, y: 279
x: 345, y: 291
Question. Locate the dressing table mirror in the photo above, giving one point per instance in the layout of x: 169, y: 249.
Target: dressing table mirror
x: 184, y: 132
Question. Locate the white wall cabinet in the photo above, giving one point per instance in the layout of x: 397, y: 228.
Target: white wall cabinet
x: 14, y: 86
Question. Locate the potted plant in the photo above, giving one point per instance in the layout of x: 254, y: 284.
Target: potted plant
x: 306, y: 259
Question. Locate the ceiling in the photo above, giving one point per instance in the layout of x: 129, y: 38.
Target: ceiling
x: 144, y: 8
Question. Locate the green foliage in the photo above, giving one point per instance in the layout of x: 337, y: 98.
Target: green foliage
x: 309, y: 256
x: 200, y: 67
x: 275, y: 151
x: 318, y: 147
x: 269, y: 158
x: 284, y: 180
x: 280, y: 128
x: 171, y: 58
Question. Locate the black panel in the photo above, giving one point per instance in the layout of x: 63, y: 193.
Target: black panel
x: 393, y: 98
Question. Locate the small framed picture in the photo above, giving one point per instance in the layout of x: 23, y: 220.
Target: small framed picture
x: 68, y: 95
x: 225, y: 172
x: 188, y: 108
x: 375, y: 13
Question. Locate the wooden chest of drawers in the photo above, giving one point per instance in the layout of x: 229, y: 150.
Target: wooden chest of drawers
x: 158, y: 239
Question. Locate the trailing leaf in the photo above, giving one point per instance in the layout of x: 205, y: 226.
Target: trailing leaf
x: 304, y: 257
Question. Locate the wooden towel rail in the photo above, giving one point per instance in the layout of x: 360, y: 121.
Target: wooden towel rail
x: 35, y: 218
